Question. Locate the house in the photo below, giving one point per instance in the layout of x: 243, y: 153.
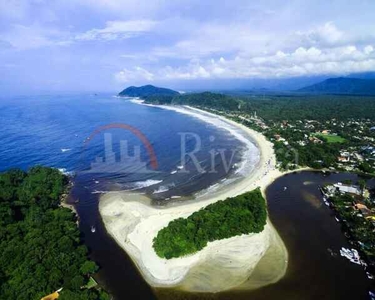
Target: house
x: 358, y: 156
x: 344, y: 156
x: 279, y: 138
x: 365, y: 211
x: 343, y: 159
x: 348, y: 189
x: 315, y: 140
x: 325, y: 132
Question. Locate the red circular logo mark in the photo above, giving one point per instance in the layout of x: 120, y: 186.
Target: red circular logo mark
x: 135, y: 131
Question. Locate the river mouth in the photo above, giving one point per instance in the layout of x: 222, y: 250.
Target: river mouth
x: 307, y: 228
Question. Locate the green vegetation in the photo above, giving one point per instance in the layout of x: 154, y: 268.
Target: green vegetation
x: 330, y: 138
x: 279, y: 107
x: 206, y: 99
x: 293, y: 123
x: 341, y: 85
x: 358, y: 225
x: 146, y: 90
x: 91, y: 284
x: 39, y: 241
x: 244, y: 214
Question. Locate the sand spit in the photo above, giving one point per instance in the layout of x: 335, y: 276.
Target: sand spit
x: 247, y: 261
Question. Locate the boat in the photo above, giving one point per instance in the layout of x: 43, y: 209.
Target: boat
x: 180, y: 167
x: 285, y: 188
x: 93, y: 229
x: 352, y: 255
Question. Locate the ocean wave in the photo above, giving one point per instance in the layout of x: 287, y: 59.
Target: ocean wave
x: 112, y: 192
x: 161, y: 189
x: 215, y: 187
x: 250, y: 157
x: 164, y: 188
x: 66, y: 172
x: 137, y: 101
x: 146, y: 183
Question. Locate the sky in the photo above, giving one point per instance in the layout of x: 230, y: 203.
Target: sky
x: 106, y: 45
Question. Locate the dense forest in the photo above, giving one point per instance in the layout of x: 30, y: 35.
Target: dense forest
x: 343, y: 85
x: 277, y: 108
x: 146, y: 90
x: 244, y: 214
x: 39, y: 240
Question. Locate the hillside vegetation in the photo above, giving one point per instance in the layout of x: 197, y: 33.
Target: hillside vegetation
x: 239, y: 215
x: 39, y: 241
x: 146, y: 90
x: 348, y: 86
x: 278, y: 108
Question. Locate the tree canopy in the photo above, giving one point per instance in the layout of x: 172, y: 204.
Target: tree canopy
x: 39, y: 241
x: 239, y: 215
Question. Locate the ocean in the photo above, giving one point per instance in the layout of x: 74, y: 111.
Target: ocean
x: 112, y: 143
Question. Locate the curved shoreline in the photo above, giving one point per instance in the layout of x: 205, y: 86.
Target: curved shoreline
x: 133, y: 223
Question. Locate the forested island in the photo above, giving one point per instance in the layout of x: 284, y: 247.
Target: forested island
x: 243, y: 214
x: 40, y: 244
x: 146, y: 90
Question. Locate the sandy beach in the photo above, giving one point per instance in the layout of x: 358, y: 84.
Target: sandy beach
x: 222, y: 265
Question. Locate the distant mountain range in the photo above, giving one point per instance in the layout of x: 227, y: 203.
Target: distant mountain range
x: 342, y: 85
x: 147, y: 90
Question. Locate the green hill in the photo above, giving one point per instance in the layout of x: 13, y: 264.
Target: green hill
x: 147, y: 90
x: 341, y: 85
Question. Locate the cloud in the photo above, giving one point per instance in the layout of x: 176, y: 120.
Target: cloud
x: 22, y: 37
x: 117, y: 30
x: 193, y: 71
x: 136, y: 74
x: 300, y: 62
x: 327, y: 34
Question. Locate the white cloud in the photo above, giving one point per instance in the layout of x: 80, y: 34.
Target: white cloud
x: 118, y: 30
x: 368, y: 49
x: 300, y: 62
x: 34, y: 36
x: 192, y: 71
x: 135, y: 74
x: 327, y: 33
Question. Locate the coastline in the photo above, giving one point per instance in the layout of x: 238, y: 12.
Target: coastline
x: 133, y: 222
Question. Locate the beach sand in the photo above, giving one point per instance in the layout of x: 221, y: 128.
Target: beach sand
x: 245, y: 262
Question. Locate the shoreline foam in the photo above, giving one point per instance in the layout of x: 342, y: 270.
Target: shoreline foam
x: 133, y: 223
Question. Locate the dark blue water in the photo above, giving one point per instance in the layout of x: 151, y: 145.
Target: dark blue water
x: 68, y: 132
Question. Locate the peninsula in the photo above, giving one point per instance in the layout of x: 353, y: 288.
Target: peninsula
x: 244, y: 261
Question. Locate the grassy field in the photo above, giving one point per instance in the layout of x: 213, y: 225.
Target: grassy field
x: 330, y: 138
